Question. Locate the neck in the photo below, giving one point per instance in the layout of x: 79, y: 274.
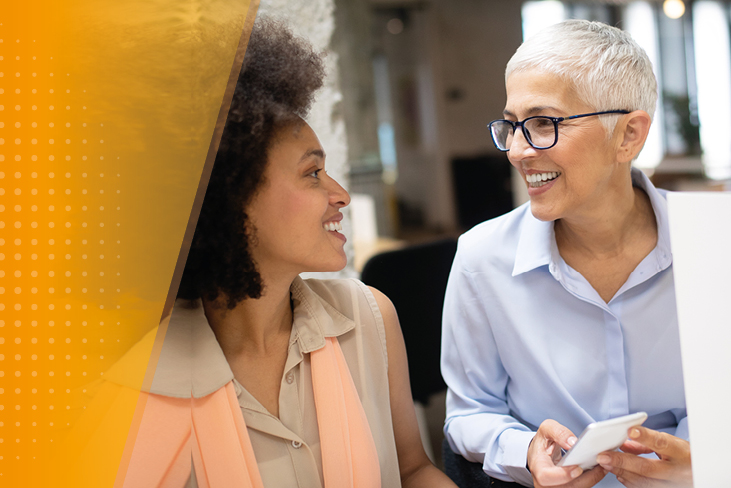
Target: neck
x: 254, y: 326
x: 608, y: 230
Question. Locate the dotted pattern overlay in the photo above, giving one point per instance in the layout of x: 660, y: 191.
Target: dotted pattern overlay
x: 60, y: 257
x: 107, y: 111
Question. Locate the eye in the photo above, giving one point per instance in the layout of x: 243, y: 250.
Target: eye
x: 315, y: 174
x: 542, y: 122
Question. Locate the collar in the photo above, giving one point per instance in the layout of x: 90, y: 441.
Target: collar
x: 537, y: 242
x: 191, y: 361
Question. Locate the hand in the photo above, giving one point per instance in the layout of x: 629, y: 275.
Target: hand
x: 673, y: 469
x: 545, y: 451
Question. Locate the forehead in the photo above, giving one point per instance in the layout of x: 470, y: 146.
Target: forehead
x: 534, y: 92
x: 294, y: 144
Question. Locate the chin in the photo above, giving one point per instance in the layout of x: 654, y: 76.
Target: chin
x: 332, y: 266
x: 542, y: 213
x: 341, y: 265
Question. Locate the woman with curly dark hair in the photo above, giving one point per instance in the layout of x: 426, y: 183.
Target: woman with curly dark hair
x: 293, y: 382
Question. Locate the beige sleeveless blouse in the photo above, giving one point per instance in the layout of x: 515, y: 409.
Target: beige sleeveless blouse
x: 287, y: 448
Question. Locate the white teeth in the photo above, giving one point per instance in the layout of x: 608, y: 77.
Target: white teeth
x: 537, y: 180
x: 332, y: 226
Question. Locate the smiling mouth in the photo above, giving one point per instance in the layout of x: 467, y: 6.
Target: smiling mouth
x: 332, y: 226
x: 537, y: 180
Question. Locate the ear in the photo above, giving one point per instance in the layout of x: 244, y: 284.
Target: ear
x: 631, y: 133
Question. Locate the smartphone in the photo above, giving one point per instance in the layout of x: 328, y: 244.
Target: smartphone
x: 606, y: 435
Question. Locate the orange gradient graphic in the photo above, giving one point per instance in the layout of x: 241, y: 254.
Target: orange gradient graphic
x: 107, y: 113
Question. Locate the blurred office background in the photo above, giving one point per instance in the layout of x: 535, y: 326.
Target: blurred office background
x: 414, y: 83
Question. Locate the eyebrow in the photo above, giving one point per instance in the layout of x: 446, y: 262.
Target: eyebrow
x: 319, y: 153
x: 531, y: 111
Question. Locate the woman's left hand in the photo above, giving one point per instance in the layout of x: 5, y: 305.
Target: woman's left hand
x: 673, y: 469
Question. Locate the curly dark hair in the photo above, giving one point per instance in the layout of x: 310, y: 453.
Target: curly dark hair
x: 276, y: 86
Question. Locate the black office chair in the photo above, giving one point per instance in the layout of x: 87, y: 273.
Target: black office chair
x: 415, y: 279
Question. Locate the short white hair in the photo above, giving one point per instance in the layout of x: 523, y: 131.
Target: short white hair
x: 606, y: 67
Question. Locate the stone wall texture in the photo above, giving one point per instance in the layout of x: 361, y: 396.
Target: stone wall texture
x: 315, y: 20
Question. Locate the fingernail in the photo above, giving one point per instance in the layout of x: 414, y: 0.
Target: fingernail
x: 621, y: 480
x: 634, y: 433
x: 603, y: 459
x: 571, y: 441
x: 576, y: 472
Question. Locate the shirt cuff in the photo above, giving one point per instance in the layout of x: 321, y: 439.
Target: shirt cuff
x: 682, y: 429
x: 514, y: 446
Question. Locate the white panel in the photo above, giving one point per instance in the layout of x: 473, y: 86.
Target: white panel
x: 700, y: 235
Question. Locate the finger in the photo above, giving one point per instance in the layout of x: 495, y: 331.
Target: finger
x: 557, y: 433
x: 633, y: 480
x: 615, y: 462
x: 660, y: 442
x: 545, y: 473
x: 633, y: 447
x: 586, y: 480
x: 589, y: 478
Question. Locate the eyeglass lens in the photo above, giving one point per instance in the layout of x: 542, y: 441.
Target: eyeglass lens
x: 539, y: 131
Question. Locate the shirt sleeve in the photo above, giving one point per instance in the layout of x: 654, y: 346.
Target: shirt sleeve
x: 478, y: 423
x: 682, y: 429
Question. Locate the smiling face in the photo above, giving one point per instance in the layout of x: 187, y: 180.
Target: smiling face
x: 296, y: 214
x: 576, y: 176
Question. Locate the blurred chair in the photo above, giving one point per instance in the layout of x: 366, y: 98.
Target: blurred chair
x: 467, y: 474
x: 415, y: 279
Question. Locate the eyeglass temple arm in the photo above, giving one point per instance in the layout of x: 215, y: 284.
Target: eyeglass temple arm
x: 595, y: 113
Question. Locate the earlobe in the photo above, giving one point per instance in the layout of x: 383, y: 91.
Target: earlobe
x: 634, y: 133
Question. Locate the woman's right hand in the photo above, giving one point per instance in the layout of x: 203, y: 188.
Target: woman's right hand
x: 545, y: 450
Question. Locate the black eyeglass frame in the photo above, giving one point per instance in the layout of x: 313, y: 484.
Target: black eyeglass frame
x: 555, y: 121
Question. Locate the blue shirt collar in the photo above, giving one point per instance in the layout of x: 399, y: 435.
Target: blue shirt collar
x: 537, y: 243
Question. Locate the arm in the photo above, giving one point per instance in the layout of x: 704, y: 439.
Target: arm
x: 672, y: 469
x: 479, y: 423
x: 414, y: 465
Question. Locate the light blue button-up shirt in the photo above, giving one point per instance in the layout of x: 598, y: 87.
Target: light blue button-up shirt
x: 526, y: 338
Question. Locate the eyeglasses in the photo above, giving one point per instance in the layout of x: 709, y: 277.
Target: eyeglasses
x: 540, y: 131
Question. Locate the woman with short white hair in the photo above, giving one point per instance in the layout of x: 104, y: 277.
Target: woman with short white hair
x: 562, y: 312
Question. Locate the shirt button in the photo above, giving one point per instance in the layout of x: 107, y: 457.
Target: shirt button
x: 296, y: 444
x: 290, y: 378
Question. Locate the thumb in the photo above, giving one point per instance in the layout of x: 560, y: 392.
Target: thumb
x: 561, y: 435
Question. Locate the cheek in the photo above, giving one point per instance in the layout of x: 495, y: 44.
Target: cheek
x: 515, y: 163
x: 302, y: 210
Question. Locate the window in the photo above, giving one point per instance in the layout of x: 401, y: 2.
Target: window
x: 692, y: 62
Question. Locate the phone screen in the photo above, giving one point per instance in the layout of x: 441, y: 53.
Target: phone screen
x: 606, y: 435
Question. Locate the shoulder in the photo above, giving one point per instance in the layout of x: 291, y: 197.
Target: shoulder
x: 385, y: 306
x: 493, y: 240
x: 370, y: 310
x: 350, y: 297
x: 343, y: 295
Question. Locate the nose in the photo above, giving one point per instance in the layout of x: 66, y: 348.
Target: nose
x: 339, y: 197
x: 519, y: 147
